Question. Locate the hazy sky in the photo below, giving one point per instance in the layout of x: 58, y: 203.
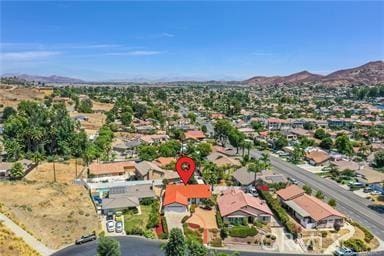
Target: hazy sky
x: 205, y: 40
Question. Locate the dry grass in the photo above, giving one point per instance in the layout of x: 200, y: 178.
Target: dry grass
x: 321, y: 243
x: 11, y: 96
x: 55, y: 213
x: 101, y: 107
x: 65, y: 171
x: 359, y: 234
x: 95, y: 121
x: 10, y: 245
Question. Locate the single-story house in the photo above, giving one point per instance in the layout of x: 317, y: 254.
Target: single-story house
x: 194, y: 135
x: 317, y: 157
x: 222, y: 160
x: 155, y: 138
x: 119, y: 202
x: 114, y: 169
x: 164, y: 161
x: 369, y: 176
x: 309, y: 211
x: 178, y: 197
x: 343, y: 165
x: 243, y: 177
x: 235, y: 206
x: 150, y: 171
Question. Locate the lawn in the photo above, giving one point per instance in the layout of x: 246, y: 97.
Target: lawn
x: 10, y: 245
x: 137, y: 221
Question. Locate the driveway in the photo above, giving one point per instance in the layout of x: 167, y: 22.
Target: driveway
x: 174, y: 220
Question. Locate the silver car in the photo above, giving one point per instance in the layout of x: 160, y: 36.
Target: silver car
x: 119, y: 227
x: 110, y: 226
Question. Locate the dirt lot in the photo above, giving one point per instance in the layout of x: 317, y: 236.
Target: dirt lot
x: 94, y: 122
x: 11, y: 96
x: 54, y: 213
x: 101, y: 107
x: 65, y: 171
x: 10, y: 245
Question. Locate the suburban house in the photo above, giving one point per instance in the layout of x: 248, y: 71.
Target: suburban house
x: 194, y: 135
x: 122, y: 197
x: 113, y: 170
x: 278, y: 124
x: 235, y: 206
x: 154, y: 138
x: 309, y: 211
x: 178, y: 197
x: 243, y: 177
x: 146, y: 170
x: 164, y: 161
x: 223, y: 160
x: 317, y: 157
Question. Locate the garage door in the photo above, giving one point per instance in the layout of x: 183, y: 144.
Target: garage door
x: 175, y: 208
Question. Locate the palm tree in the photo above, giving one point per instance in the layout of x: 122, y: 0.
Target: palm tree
x: 265, y: 159
x: 256, y: 167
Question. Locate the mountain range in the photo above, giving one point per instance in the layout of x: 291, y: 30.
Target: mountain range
x: 369, y: 73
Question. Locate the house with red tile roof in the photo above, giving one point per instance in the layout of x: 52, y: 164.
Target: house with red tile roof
x: 235, y: 206
x: 194, y: 135
x: 178, y: 197
x: 309, y: 211
x: 114, y: 169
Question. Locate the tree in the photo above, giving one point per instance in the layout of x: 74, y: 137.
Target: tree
x: 85, y: 106
x: 17, y: 171
x: 280, y: 142
x: 7, y: 112
x: 265, y: 159
x: 126, y: 118
x: 236, y: 139
x: 307, y: 189
x: 256, y: 167
x: 176, y: 244
x: 326, y: 143
x: 108, y: 247
x: 320, y: 134
x: 332, y: 202
x: 257, y: 126
x: 147, y: 152
x: 379, y: 159
x: 297, y: 154
x: 344, y: 145
x: 204, y: 148
x: 222, y: 129
x: 210, y: 173
x: 319, y: 195
x: 195, y: 248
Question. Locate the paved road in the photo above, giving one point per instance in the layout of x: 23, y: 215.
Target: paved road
x: 30, y: 240
x: 347, y: 202
x: 136, y: 246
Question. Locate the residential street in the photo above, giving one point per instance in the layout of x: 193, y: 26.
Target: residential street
x: 30, y: 240
x: 347, y: 202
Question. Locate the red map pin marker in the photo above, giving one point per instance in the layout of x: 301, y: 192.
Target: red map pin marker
x: 185, y: 167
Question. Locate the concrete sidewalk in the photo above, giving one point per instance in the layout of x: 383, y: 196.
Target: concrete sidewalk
x: 30, y: 240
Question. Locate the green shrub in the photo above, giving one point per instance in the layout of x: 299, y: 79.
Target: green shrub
x: 356, y: 244
x: 242, y: 231
x: 258, y: 224
x: 164, y: 224
x: 147, y: 201
x: 219, y: 220
x: 217, y: 242
x: 367, y: 234
x: 184, y: 219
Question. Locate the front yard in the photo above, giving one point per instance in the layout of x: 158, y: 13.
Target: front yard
x: 136, y: 224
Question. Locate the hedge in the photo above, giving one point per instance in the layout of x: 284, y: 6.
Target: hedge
x: 164, y: 224
x: 242, y: 231
x: 219, y: 220
x: 280, y: 212
x: 367, y: 234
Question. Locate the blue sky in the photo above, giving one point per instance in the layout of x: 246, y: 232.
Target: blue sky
x: 199, y: 40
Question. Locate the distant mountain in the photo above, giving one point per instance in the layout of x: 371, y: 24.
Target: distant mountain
x: 370, y: 73
x: 45, y: 79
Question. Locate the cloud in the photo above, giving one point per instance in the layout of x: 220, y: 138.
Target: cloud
x: 28, y: 55
x: 261, y: 53
x: 134, y: 53
x: 165, y: 34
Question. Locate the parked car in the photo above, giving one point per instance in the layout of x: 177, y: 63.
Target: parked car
x: 367, y: 190
x: 344, y: 251
x: 292, y: 180
x: 375, y: 192
x: 119, y: 227
x: 377, y: 208
x: 110, y: 226
x: 252, y: 191
x: 109, y: 216
x: 87, y: 238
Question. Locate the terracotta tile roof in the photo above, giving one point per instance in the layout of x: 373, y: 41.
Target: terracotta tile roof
x: 318, y: 156
x: 196, y: 135
x: 111, y: 168
x: 179, y: 193
x: 236, y: 200
x: 162, y: 161
x: 290, y: 192
x: 316, y: 208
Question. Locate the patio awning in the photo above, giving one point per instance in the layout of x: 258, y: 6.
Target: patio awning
x: 297, y: 209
